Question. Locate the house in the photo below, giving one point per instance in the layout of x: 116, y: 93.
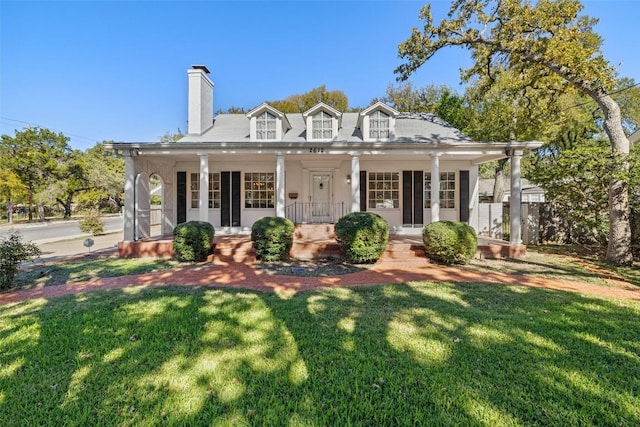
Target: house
x: 530, y: 192
x: 311, y: 167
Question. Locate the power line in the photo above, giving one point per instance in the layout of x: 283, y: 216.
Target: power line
x: 589, y: 101
x: 44, y: 127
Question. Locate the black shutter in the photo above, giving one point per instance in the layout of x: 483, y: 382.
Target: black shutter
x: 181, y: 199
x: 363, y: 191
x: 418, y: 210
x: 407, y: 195
x: 235, y: 199
x: 225, y: 199
x: 464, y: 196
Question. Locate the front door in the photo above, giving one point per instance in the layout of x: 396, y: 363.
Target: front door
x: 321, y: 197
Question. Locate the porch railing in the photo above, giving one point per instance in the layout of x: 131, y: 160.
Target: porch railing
x: 315, y: 212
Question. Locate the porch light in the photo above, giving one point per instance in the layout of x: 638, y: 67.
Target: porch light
x: 348, y: 179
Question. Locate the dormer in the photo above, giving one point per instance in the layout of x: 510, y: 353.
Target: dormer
x: 267, y: 123
x: 322, y: 122
x: 378, y: 122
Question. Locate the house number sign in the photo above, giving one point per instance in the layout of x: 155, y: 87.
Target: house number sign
x: 317, y: 150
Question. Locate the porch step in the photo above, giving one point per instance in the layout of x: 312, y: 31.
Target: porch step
x: 234, y: 248
x: 314, y: 232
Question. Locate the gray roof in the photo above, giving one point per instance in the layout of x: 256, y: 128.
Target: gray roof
x: 410, y: 127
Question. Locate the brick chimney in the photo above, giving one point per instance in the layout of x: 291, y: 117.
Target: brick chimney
x: 200, y: 100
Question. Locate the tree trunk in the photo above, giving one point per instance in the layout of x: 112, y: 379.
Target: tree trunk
x: 619, y: 246
x: 30, y: 197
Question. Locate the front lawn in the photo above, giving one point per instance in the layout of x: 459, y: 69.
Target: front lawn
x: 84, y: 270
x: 407, y: 354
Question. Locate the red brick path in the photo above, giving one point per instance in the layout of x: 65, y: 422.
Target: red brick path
x: 244, y: 275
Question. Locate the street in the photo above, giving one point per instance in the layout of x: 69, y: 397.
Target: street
x: 43, y: 232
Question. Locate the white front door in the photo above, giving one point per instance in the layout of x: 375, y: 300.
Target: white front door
x: 321, y: 197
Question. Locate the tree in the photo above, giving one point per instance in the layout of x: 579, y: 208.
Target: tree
x: 301, y: 103
x: 551, y: 49
x: 33, y: 155
x: 171, y: 137
x: 11, y: 190
x: 105, y: 175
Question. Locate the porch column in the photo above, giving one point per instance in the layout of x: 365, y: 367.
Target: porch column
x: 280, y: 201
x: 355, y: 183
x: 435, y: 188
x: 129, y: 195
x: 515, y: 200
x: 204, y: 188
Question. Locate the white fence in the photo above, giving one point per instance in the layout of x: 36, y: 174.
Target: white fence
x: 493, y: 222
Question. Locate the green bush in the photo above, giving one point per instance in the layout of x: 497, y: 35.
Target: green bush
x: 193, y: 241
x: 13, y: 251
x: 272, y: 238
x: 91, y: 223
x: 449, y: 242
x: 363, y: 236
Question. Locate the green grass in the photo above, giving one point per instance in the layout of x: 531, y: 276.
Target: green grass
x: 85, y: 270
x: 561, y: 262
x: 407, y: 354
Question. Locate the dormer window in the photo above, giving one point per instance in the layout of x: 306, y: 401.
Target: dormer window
x: 267, y: 123
x: 322, y: 122
x: 322, y: 126
x: 378, y: 125
x: 266, y: 126
x: 378, y: 122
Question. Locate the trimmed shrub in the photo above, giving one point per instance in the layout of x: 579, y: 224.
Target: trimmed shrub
x: 193, y: 241
x: 272, y: 238
x: 449, y: 242
x: 13, y: 251
x: 363, y: 236
x: 91, y: 223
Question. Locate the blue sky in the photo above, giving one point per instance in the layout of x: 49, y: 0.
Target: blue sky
x: 116, y: 70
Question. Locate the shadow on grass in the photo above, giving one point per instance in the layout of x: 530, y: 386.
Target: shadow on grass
x: 405, y: 354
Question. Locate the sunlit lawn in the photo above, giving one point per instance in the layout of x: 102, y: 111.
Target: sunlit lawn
x: 409, y: 354
x: 88, y: 269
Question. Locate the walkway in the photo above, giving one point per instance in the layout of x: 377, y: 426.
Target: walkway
x: 238, y: 275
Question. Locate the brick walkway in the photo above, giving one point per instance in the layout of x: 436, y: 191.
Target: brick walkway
x: 244, y: 275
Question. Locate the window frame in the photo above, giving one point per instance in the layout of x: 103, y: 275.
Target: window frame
x: 266, y: 119
x: 325, y: 123
x: 376, y: 120
x: 259, y: 190
x: 447, y: 190
x: 381, y: 184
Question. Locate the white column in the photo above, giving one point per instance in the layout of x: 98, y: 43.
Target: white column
x: 204, y: 188
x: 355, y: 183
x: 280, y: 201
x: 435, y: 188
x: 515, y: 200
x: 129, y: 197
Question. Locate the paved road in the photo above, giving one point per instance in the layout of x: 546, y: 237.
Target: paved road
x: 52, y: 231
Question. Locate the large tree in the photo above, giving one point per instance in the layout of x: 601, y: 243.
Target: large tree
x: 551, y: 48
x: 300, y: 103
x: 33, y: 155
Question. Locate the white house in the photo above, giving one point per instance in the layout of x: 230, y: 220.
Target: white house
x: 312, y: 167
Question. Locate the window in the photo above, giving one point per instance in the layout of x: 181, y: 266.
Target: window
x: 214, y: 190
x: 259, y: 190
x: 378, y: 125
x: 383, y: 190
x: 195, y: 191
x: 266, y: 126
x: 447, y: 190
x: 322, y: 126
